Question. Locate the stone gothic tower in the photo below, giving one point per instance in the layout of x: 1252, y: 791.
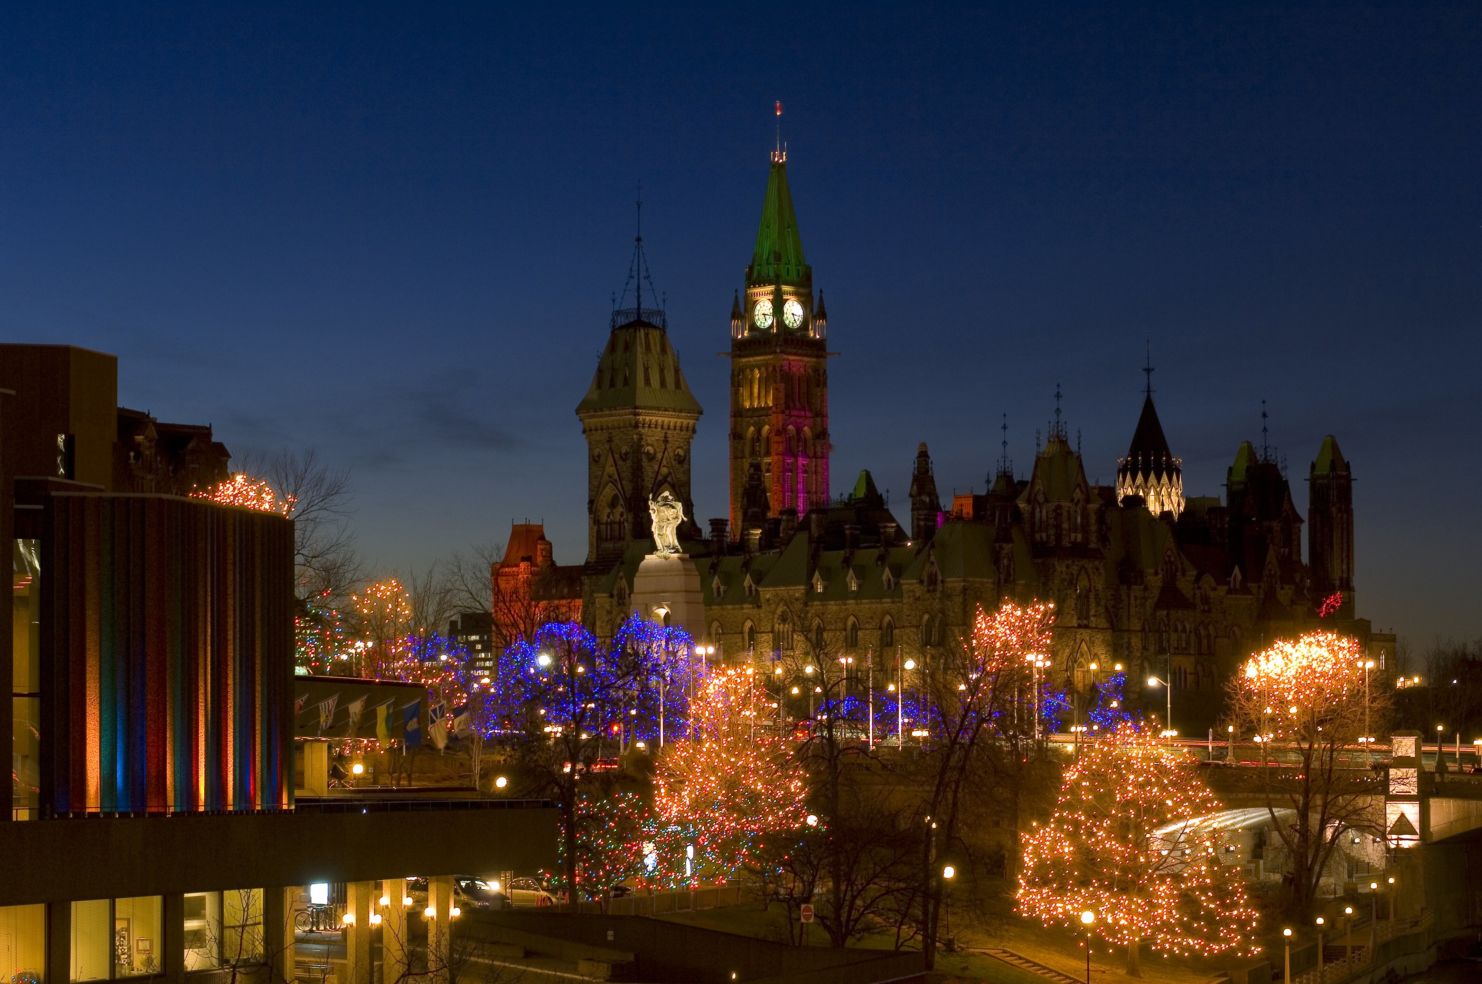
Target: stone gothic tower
x: 926, y: 505
x: 779, y: 370
x: 639, y: 419
x: 1330, y: 525
x: 1150, y: 470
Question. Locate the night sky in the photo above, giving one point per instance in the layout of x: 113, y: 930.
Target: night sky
x: 393, y: 233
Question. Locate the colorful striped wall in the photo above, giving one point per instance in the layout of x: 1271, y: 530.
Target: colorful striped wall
x: 167, y: 653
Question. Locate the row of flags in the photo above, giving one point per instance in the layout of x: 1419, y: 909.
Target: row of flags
x: 404, y: 723
x: 407, y: 724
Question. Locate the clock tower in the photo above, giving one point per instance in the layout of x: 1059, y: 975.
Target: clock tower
x: 779, y: 368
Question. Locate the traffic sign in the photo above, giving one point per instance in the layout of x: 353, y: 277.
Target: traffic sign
x: 805, y: 912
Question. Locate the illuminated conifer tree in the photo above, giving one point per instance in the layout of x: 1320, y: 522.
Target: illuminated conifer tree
x: 728, y: 786
x: 1127, y: 841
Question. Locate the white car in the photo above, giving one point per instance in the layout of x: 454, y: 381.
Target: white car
x: 527, y: 891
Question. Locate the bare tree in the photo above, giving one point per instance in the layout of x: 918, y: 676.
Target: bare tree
x: 1305, y: 703
x: 325, y: 561
x: 469, y: 576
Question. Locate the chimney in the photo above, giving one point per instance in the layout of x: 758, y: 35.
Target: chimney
x: 789, y: 524
x: 851, y: 536
x: 816, y: 524
x: 887, y: 533
x: 718, y: 535
x: 753, y: 540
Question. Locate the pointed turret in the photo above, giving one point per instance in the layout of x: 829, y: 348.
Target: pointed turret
x: 738, y: 320
x: 1330, y: 526
x: 1150, y: 469
x: 926, y: 505
x: 778, y: 256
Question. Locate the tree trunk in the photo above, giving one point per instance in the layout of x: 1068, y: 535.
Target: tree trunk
x: 1134, y: 958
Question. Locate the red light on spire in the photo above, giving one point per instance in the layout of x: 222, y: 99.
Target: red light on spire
x: 779, y: 107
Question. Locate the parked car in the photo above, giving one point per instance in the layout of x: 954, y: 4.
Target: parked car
x: 469, y: 893
x: 526, y: 891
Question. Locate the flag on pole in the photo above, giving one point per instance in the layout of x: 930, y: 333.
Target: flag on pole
x: 412, y: 727
x: 383, y: 730
x: 356, y: 707
x: 326, y: 712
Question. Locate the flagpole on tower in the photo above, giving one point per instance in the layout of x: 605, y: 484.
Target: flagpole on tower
x: 779, y: 156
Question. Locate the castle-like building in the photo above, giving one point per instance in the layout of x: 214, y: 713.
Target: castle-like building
x: 1142, y: 575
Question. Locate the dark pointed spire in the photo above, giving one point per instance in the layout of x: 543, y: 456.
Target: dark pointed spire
x: 1147, y: 368
x: 1057, y: 430
x: 737, y: 317
x: 638, y: 276
x: 1005, y: 467
x: 1265, y: 434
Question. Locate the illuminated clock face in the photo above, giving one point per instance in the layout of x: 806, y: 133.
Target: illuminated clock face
x: 761, y: 315
x: 792, y: 313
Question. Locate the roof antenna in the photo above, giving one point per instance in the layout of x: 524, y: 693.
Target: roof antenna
x: 1265, y: 443
x: 638, y: 249
x: 1003, y: 462
x: 779, y: 156
x: 1147, y: 368
x: 1059, y: 430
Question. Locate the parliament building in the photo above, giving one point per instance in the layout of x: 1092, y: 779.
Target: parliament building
x: 1168, y: 584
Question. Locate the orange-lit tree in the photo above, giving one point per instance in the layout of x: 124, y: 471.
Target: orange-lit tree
x: 1306, y: 701
x: 1128, y: 841
x: 728, y: 786
x: 984, y: 705
x: 384, y: 612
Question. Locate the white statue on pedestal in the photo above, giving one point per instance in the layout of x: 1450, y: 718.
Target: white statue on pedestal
x: 667, y: 513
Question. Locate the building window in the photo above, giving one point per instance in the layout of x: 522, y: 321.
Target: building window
x: 887, y: 632
x: 25, y: 682
x: 818, y: 637
x: 22, y: 941
x: 748, y: 637
x: 851, y: 633
x: 115, y: 938
x: 784, y: 632
x: 223, y: 929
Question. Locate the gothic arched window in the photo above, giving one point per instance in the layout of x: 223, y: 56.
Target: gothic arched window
x: 851, y: 633
x: 748, y: 636
x: 783, y: 631
x: 887, y: 632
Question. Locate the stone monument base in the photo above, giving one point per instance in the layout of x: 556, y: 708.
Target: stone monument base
x: 667, y: 589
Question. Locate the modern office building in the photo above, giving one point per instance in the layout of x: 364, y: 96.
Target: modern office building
x: 151, y: 827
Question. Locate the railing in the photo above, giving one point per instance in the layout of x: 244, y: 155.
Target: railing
x: 412, y: 804
x: 653, y: 316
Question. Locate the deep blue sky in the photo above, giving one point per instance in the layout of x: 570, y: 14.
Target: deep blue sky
x: 391, y: 233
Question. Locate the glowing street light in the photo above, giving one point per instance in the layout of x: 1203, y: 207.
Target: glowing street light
x: 1088, y: 919
x: 1154, y: 681
x: 1286, y: 965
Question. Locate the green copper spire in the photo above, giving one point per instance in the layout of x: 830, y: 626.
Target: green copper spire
x: 778, y: 258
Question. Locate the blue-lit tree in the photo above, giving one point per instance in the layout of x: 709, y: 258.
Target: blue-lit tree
x: 561, y: 696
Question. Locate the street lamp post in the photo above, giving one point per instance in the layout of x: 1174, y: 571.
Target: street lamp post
x: 1368, y: 738
x: 1322, y: 974
x: 948, y: 873
x: 1373, y: 916
x: 1347, y: 932
x: 900, y: 697
x: 1286, y: 965
x: 1154, y: 681
x: 1440, y: 748
x: 1088, y: 919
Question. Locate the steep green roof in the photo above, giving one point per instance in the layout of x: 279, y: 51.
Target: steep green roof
x: 778, y: 257
x: 639, y: 370
x: 1245, y: 458
x: 1329, y: 458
